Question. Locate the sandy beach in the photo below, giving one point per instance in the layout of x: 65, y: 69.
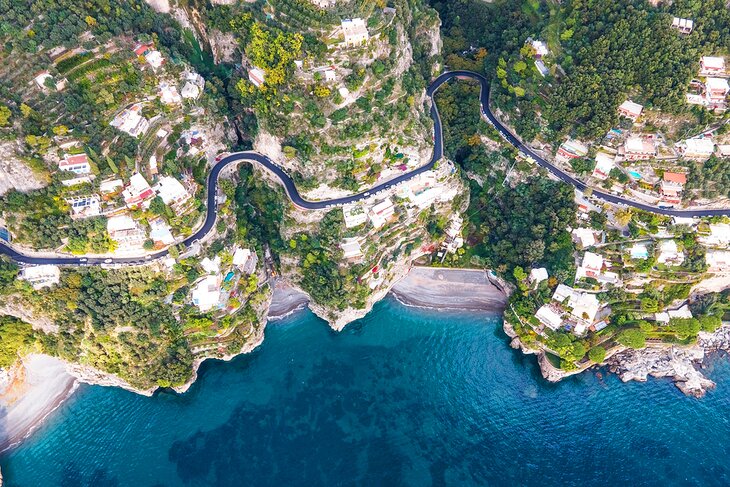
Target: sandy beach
x: 29, y: 394
x: 286, y: 300
x: 441, y: 288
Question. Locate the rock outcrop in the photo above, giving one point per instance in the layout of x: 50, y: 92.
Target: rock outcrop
x: 681, y: 364
x: 14, y: 173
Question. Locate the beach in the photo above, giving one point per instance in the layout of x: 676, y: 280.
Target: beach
x: 32, y: 390
x: 441, y: 288
x: 285, y: 300
x: 28, y: 393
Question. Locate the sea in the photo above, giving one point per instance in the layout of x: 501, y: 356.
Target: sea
x: 403, y: 397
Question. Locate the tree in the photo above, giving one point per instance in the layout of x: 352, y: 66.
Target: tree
x: 5, y: 115
x: 710, y: 323
x: 623, y: 216
x: 597, y: 354
x: 632, y: 338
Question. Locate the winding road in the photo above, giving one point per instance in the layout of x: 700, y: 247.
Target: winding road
x: 296, y: 198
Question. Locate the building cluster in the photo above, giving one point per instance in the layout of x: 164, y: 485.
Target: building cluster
x: 578, y: 309
x: 573, y: 310
x: 416, y: 194
x: 712, y: 88
x: 212, y: 291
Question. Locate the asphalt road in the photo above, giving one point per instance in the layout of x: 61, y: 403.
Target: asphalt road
x: 296, y: 198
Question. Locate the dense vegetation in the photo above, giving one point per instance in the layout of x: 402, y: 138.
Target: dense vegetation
x: 15, y: 337
x: 526, y: 226
x: 606, y: 52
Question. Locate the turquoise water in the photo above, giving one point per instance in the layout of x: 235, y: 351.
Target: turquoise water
x: 403, y: 397
x: 635, y: 175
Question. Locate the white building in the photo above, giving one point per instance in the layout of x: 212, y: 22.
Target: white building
x: 131, y: 121
x: 583, y: 307
x: 257, y: 76
x: 538, y: 275
x: 571, y: 149
x: 138, y: 192
x: 351, y: 248
x: 41, y: 276
x: 171, y: 191
x: 111, y: 186
x: 245, y: 260
x: 355, y: 32
x: 154, y: 58
x: 585, y: 237
x: 77, y: 164
x: 206, y: 293
x: 591, y: 266
x: 168, y: 94
x: 160, y: 232
x: 604, y: 164
x: 125, y: 231
x: 381, y: 213
x: 669, y: 253
x: 719, y: 235
x: 712, y: 66
x: 684, y: 26
x: 541, y: 49
x: 549, y: 316
x: 717, y: 260
x: 211, y: 266
x: 697, y: 149
x: 355, y: 215
x: 84, y: 206
x: 194, y: 84
x: 638, y: 148
x: 190, y: 91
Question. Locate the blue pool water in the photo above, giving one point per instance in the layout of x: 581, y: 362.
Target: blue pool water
x: 635, y: 175
x: 403, y: 397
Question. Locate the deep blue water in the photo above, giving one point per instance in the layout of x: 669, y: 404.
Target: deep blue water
x: 403, y: 397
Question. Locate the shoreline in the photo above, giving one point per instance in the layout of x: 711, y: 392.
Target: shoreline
x: 429, y: 288
x: 31, y: 392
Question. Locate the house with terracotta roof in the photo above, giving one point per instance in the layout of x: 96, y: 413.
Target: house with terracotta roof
x: 257, y: 76
x: 712, y: 66
x: 571, y: 149
x: 631, y: 110
x: 77, y: 164
x: 638, y: 148
x: 672, y: 186
x: 151, y: 55
x: 716, y: 90
x: 138, y: 192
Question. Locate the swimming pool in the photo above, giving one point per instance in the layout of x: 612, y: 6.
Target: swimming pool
x: 635, y: 175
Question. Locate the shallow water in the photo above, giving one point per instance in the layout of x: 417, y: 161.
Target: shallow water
x: 403, y: 397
